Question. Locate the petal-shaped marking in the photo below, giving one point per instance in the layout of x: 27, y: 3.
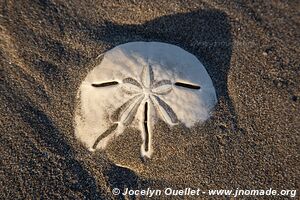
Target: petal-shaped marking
x: 147, y: 76
x: 132, y: 82
x: 162, y: 87
x: 165, y: 110
x: 131, y: 86
x: 130, y: 89
x: 129, y: 109
x: 115, y: 117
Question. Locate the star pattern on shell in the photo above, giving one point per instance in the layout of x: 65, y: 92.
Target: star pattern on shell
x: 149, y: 91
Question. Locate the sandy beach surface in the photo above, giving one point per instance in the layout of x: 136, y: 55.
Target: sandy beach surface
x: 249, y: 48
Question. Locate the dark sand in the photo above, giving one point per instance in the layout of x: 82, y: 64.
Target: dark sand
x: 251, y: 51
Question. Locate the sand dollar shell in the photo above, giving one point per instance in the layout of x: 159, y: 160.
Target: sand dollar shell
x: 135, y: 84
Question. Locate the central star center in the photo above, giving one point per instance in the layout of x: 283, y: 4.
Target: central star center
x: 147, y: 92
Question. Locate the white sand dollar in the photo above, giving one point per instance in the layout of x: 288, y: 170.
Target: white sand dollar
x: 135, y: 84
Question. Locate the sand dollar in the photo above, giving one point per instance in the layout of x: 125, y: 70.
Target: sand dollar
x: 134, y: 85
